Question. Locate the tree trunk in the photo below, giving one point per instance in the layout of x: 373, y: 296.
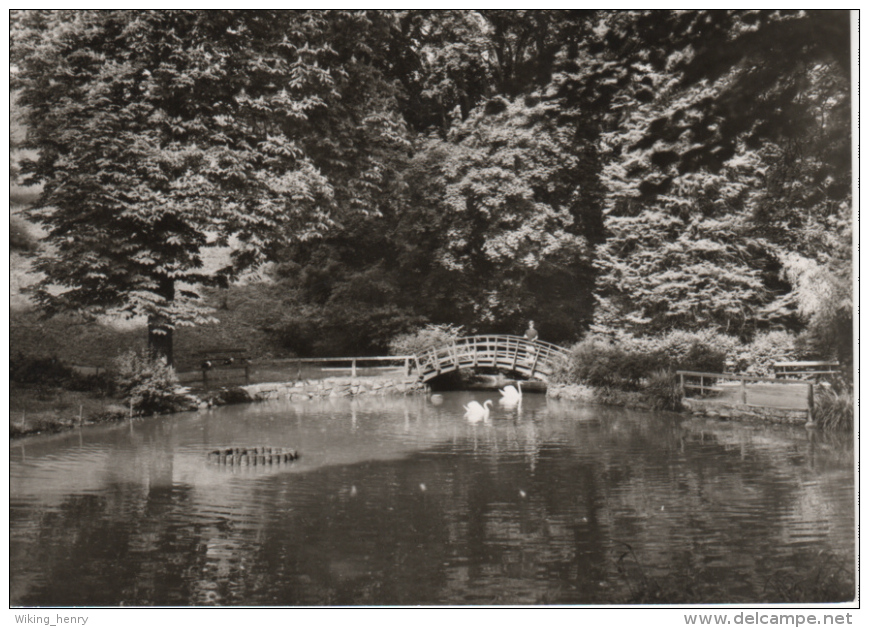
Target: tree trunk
x: 160, y: 340
x: 160, y: 328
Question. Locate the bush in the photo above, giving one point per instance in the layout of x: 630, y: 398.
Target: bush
x: 664, y: 390
x: 429, y: 337
x: 686, y: 350
x: 602, y: 363
x: 703, y: 357
x: 42, y: 371
x: 148, y: 383
x: 629, y: 362
x: 38, y: 370
x: 834, y: 405
x: 757, y: 357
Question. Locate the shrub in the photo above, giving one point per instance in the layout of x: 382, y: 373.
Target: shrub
x: 600, y: 362
x: 834, y: 405
x: 664, y: 390
x: 429, y: 337
x: 102, y: 384
x: 148, y: 383
x: 42, y: 371
x: 703, y: 357
x: 628, y: 361
x: 758, y: 356
x: 38, y: 370
x: 687, y: 350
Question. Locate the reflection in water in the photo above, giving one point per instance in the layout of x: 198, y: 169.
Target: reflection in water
x: 401, y: 501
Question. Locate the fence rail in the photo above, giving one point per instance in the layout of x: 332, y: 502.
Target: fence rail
x: 805, y: 369
x: 533, y: 359
x: 288, y: 369
x: 748, y: 391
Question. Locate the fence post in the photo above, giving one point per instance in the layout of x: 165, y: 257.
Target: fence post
x: 353, y: 368
x: 682, y: 383
x: 810, y: 405
x: 744, y: 392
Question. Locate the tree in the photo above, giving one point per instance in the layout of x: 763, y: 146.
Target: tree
x: 514, y: 222
x: 727, y: 141
x: 161, y: 134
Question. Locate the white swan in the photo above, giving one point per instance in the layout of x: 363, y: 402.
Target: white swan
x: 510, y: 395
x: 475, y: 412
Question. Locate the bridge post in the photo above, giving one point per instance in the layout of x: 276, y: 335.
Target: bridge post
x: 534, y: 364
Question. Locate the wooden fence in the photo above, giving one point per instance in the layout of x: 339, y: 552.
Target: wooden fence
x: 749, y: 392
x: 284, y: 370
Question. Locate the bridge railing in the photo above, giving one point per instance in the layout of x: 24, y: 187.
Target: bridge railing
x: 532, y: 358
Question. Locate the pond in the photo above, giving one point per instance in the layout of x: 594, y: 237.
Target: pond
x: 401, y: 501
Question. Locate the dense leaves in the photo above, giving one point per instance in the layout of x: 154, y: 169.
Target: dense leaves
x: 633, y: 172
x: 727, y: 172
x: 163, y: 133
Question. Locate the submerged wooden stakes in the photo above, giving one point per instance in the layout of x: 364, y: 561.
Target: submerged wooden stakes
x: 246, y: 456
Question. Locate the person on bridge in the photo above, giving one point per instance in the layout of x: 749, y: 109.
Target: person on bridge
x: 531, y: 333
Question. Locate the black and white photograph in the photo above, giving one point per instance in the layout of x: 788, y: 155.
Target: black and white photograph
x: 433, y: 309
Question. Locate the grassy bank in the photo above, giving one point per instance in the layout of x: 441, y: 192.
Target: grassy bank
x: 49, y: 409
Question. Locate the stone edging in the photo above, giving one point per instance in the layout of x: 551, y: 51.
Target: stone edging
x: 727, y: 411
x: 338, y: 387
x: 636, y: 400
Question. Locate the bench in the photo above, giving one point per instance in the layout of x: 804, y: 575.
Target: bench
x: 804, y: 369
x: 223, y: 359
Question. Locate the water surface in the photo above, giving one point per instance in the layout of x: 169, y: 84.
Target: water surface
x: 397, y: 501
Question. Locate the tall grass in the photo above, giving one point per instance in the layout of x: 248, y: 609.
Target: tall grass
x: 834, y: 407
x: 664, y: 390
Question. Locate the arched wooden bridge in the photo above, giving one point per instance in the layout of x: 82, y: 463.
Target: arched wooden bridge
x: 535, y: 360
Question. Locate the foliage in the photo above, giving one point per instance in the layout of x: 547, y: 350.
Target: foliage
x: 21, y: 239
x: 633, y: 363
x: 488, y: 228
x: 726, y: 78
x: 53, y: 372
x: 147, y: 382
x: 834, y: 405
x: 684, y: 349
x: 664, y: 390
x: 175, y: 131
x: 765, y: 349
x: 597, y: 361
x: 462, y: 58
x: 710, y: 186
x: 512, y: 227
x: 38, y: 370
x: 331, y: 305
x: 428, y: 337
x: 824, y: 294
x: 632, y: 172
